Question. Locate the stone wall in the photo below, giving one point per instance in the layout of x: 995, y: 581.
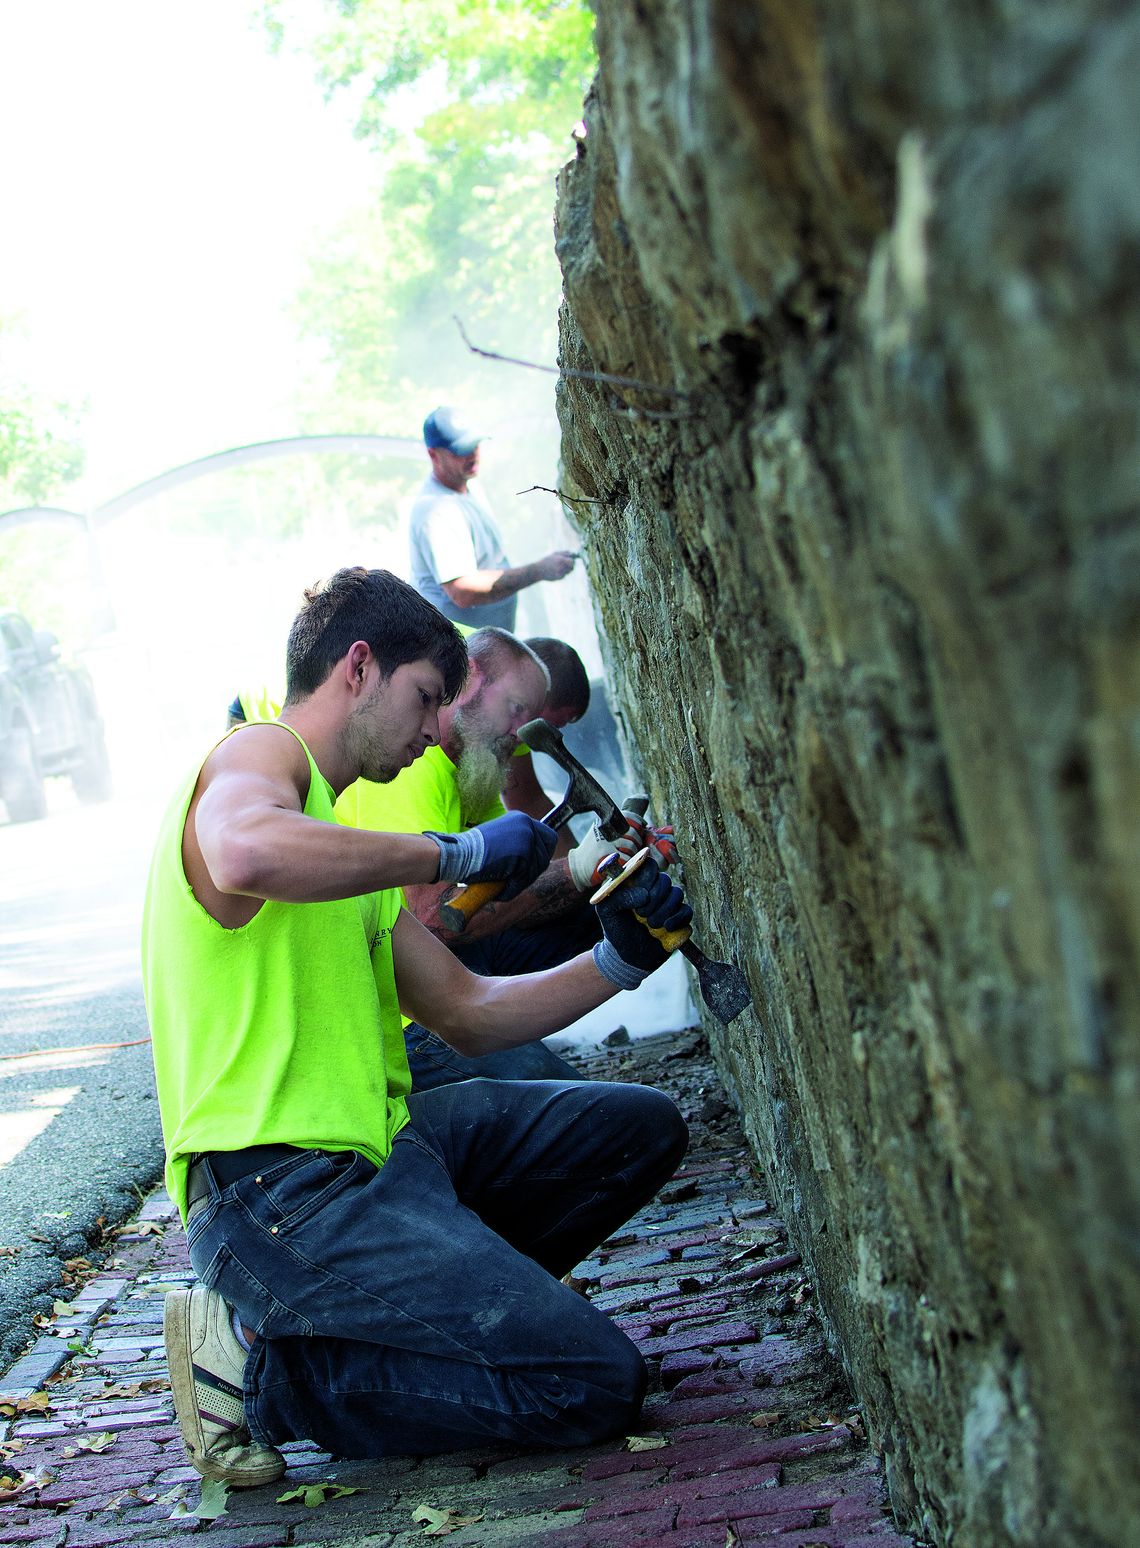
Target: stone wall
x: 871, y: 592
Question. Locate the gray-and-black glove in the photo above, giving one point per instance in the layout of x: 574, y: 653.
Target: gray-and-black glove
x: 627, y: 953
x: 513, y: 849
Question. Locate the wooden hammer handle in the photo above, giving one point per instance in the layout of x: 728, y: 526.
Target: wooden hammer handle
x: 457, y: 912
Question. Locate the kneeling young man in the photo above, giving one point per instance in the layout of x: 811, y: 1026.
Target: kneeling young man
x: 379, y: 1271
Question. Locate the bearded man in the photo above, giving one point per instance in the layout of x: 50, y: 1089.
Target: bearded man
x: 456, y: 785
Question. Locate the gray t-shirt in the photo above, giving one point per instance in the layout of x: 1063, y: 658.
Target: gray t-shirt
x: 452, y: 534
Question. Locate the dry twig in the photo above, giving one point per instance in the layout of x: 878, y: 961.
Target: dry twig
x: 579, y: 376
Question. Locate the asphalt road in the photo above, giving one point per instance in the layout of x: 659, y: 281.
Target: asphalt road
x: 79, y: 1130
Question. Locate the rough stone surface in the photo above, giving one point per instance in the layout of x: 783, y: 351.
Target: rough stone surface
x: 871, y: 592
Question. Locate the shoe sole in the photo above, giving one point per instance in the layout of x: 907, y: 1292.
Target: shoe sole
x: 180, y: 1367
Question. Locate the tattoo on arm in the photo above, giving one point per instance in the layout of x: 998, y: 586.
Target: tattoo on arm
x: 551, y: 896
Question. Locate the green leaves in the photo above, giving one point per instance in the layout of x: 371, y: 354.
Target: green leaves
x: 315, y: 1494
x: 470, y: 104
x: 440, y: 1523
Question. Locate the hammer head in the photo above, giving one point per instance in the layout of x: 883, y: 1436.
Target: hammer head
x: 583, y: 793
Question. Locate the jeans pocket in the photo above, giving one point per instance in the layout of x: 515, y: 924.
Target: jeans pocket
x: 426, y: 1047
x: 286, y: 1196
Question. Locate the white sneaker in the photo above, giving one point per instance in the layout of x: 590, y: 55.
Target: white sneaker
x: 206, y: 1364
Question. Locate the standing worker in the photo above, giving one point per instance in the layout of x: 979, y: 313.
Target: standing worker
x: 457, y: 556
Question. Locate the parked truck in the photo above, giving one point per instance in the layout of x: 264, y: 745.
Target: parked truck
x: 49, y: 722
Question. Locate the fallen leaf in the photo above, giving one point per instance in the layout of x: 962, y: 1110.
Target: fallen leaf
x: 645, y: 1442
x: 438, y: 1523
x: 101, y: 1442
x: 148, y: 1228
x: 8, y: 1252
x: 138, y: 1495
x: 10, y: 1449
x: 179, y: 1511
x: 82, y: 1346
x: 56, y: 1214
x: 15, y: 1483
x: 316, y: 1494
x: 177, y: 1493
x: 41, y: 1320
x: 62, y: 1308
x: 34, y: 1403
x: 212, y: 1502
x: 762, y: 1421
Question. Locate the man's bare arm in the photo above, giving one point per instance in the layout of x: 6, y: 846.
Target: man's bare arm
x: 482, y: 586
x: 482, y: 1015
x: 246, y: 835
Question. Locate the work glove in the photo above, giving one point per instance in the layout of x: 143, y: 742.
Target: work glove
x: 587, y: 856
x: 585, y: 859
x: 627, y: 953
x: 513, y: 849
x: 658, y: 840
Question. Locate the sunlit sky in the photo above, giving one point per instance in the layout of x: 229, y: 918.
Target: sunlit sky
x: 165, y: 175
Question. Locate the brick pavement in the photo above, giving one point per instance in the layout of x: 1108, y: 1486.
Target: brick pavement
x: 749, y: 1434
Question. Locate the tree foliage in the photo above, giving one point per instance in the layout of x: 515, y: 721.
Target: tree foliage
x: 39, y: 453
x: 470, y: 106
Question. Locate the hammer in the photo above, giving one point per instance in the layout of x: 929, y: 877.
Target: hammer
x: 583, y: 794
x: 724, y: 987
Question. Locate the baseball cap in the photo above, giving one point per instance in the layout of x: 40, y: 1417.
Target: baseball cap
x: 450, y: 429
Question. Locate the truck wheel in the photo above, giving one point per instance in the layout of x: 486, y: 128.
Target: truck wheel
x: 92, y: 778
x: 21, y: 783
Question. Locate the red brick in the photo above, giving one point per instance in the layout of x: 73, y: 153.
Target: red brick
x: 620, y: 1484
x: 775, y: 1360
x: 689, y: 1362
x: 657, y: 1308
x: 724, y: 1405
x: 771, y: 1266
x: 707, y: 1336
x: 863, y: 1506
x: 742, y: 1504
x: 635, y: 1328
x: 707, y: 1383
x: 676, y: 1494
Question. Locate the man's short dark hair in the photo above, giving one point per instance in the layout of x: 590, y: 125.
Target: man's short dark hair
x: 396, y: 623
x: 569, y: 685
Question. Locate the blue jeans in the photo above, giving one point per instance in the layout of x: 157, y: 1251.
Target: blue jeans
x: 505, y: 955
x: 417, y: 1308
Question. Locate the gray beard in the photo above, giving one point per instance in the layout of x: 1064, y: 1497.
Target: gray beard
x: 480, y: 776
